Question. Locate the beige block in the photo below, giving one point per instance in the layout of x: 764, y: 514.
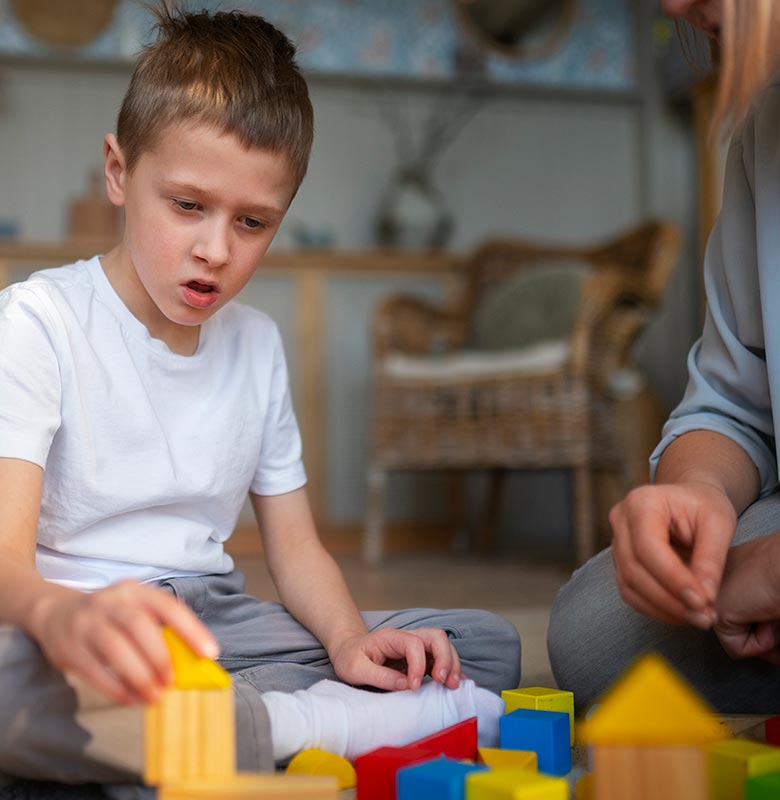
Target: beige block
x: 252, y: 786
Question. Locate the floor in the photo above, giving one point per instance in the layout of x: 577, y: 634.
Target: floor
x: 518, y: 589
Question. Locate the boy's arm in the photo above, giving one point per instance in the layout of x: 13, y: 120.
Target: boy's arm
x: 110, y: 638
x: 312, y: 588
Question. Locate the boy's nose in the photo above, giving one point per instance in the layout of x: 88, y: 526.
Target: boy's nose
x: 213, y: 245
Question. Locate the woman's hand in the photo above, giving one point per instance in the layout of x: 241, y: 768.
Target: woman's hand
x: 748, y: 605
x: 111, y: 638
x: 670, y: 546
x: 393, y: 659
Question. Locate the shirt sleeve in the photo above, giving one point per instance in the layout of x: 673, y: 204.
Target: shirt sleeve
x: 280, y: 467
x: 728, y: 387
x: 30, y: 385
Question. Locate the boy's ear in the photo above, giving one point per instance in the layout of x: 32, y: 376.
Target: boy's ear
x: 114, y: 170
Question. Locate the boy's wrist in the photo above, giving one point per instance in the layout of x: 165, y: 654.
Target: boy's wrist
x: 38, y: 606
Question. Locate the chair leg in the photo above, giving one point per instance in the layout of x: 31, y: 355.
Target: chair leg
x: 373, y: 533
x: 486, y: 536
x: 584, y: 528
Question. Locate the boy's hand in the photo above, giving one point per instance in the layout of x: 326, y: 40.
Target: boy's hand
x: 669, y: 547
x: 748, y: 605
x: 111, y: 638
x: 392, y: 659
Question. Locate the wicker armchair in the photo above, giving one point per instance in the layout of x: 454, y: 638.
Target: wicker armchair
x: 547, y: 406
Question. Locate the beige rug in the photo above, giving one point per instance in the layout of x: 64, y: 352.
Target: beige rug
x: 531, y: 624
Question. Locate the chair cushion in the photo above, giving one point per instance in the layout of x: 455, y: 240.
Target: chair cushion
x: 475, y: 365
x: 537, y: 304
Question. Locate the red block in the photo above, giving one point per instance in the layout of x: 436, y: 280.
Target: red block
x: 376, y: 770
x: 457, y: 742
x: 772, y: 728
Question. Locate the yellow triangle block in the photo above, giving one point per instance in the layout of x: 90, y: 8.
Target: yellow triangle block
x: 651, y: 705
x: 319, y: 762
x: 495, y: 758
x: 191, y: 671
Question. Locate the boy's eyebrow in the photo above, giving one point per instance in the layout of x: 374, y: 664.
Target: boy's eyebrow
x: 250, y: 207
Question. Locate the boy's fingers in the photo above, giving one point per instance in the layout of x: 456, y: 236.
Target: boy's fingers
x: 95, y: 674
x: 182, y: 619
x: 445, y: 661
x: 123, y: 659
x: 145, y: 634
x: 414, y: 652
x: 382, y: 677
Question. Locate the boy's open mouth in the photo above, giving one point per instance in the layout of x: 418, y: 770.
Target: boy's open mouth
x: 197, y: 286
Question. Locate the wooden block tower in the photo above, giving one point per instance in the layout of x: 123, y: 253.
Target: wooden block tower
x: 190, y: 745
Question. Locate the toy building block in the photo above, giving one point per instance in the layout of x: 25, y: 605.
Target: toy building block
x: 649, y: 731
x: 763, y: 787
x: 249, y: 786
x: 189, y: 733
x: 495, y: 758
x: 515, y: 784
x: 191, y: 671
x: 731, y: 761
x: 320, y: 762
x: 772, y: 731
x: 542, y: 700
x: 546, y: 733
x: 442, y: 779
x: 459, y: 741
x: 583, y: 789
x: 377, y: 770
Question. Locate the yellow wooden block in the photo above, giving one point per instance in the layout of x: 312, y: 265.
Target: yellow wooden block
x: 189, y: 735
x: 514, y: 784
x: 495, y: 758
x: 191, y: 671
x: 320, y: 762
x: 651, y: 705
x: 252, y: 786
x: 540, y: 699
x: 583, y: 789
x: 731, y: 761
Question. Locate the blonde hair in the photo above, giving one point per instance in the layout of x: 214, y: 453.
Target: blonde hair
x: 749, y: 57
x: 232, y: 71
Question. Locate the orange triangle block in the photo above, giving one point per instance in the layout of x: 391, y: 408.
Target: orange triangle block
x: 191, y: 671
x: 651, y: 705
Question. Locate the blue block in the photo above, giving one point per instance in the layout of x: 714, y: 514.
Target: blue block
x: 547, y: 733
x: 442, y: 779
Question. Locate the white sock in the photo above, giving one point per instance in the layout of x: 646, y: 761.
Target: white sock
x: 347, y: 721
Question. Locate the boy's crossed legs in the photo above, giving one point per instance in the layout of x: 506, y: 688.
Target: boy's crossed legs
x: 50, y: 730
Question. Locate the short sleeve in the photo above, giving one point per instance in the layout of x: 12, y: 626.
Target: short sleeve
x: 280, y: 467
x: 728, y: 384
x: 30, y: 384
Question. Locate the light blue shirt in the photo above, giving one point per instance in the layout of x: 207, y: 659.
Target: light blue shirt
x: 734, y: 368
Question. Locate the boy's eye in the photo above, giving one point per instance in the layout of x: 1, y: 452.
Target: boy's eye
x: 186, y: 205
x: 253, y: 223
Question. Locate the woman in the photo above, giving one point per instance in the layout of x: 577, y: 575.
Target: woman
x: 694, y: 568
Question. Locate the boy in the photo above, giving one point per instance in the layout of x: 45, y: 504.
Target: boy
x: 154, y: 405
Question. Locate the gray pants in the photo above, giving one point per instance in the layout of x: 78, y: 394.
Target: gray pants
x: 52, y: 729
x: 594, y: 636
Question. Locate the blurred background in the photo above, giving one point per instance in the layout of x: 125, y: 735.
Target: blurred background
x: 440, y: 125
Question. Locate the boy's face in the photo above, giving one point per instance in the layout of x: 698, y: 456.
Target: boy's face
x: 200, y: 212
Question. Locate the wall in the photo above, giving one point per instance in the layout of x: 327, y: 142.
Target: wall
x: 555, y: 166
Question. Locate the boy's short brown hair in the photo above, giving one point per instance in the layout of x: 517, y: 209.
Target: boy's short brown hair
x: 233, y: 71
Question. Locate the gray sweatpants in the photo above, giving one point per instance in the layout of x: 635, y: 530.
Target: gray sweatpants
x: 594, y: 636
x: 51, y: 729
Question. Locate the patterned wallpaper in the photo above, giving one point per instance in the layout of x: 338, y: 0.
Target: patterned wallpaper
x: 405, y: 38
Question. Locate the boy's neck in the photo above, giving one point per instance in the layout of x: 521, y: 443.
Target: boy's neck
x: 117, y: 267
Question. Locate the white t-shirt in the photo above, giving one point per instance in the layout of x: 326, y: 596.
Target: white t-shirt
x: 148, y: 455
